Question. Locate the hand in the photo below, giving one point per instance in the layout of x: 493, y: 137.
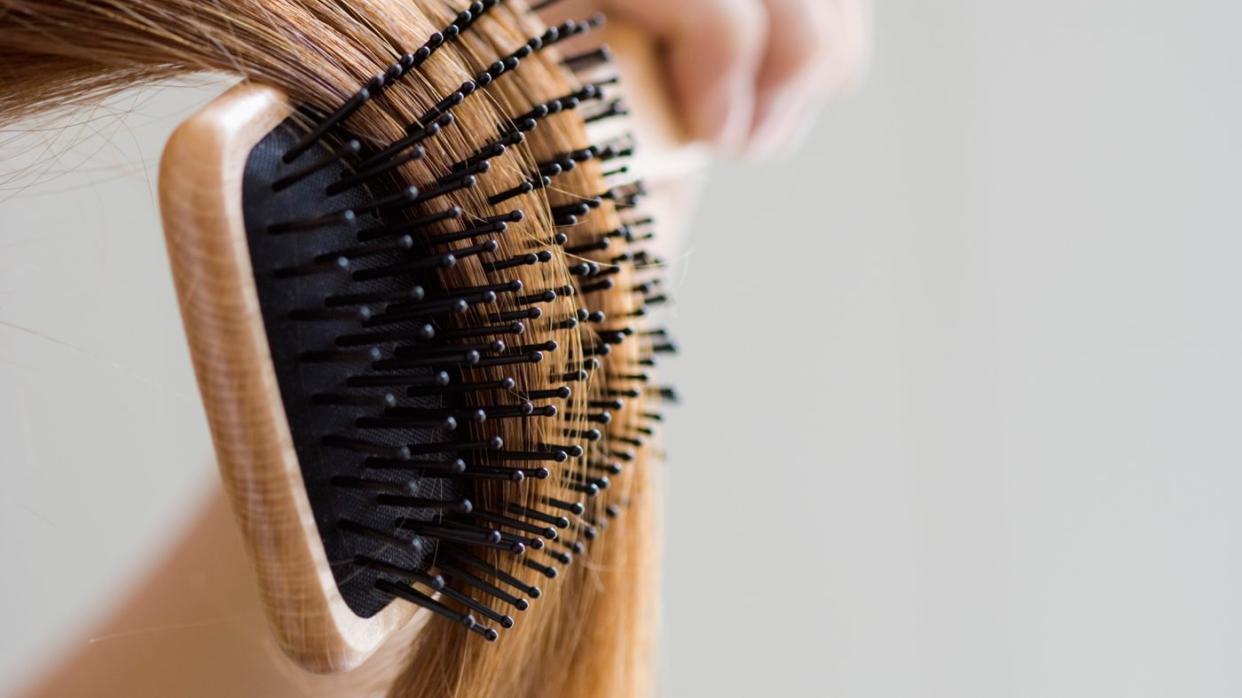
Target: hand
x: 750, y: 75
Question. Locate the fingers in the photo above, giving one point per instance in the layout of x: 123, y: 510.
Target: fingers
x: 813, y: 48
x: 715, y: 49
x: 749, y: 76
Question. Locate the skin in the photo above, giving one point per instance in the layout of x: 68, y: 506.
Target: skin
x: 748, y: 76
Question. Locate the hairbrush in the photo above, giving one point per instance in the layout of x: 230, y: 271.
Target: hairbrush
x: 427, y: 361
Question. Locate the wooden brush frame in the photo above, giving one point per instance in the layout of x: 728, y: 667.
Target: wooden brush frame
x: 201, y: 204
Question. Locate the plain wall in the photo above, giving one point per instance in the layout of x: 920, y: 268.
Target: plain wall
x: 962, y: 379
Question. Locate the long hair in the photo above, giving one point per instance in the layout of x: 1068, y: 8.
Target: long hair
x: 590, y: 634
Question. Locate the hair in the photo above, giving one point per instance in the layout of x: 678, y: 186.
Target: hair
x: 591, y: 632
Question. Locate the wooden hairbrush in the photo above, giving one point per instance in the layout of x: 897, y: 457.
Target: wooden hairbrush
x: 423, y: 391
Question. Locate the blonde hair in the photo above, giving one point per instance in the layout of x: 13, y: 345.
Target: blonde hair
x: 590, y: 634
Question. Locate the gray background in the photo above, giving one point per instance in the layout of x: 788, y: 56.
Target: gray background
x: 962, y: 378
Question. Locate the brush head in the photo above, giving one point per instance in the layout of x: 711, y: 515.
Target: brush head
x: 447, y: 360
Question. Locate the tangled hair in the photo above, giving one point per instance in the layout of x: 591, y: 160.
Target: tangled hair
x: 590, y: 634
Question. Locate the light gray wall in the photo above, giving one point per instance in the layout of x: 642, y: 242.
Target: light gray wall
x: 103, y: 442
x: 962, y: 379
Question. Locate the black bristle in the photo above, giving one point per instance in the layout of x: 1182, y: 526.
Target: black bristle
x: 321, y: 129
x: 350, y: 148
x: 465, y: 600
x: 435, y: 582
x: 459, y: 573
x: 420, y: 599
x: 491, y: 570
x: 557, y: 521
x: 363, y: 175
x: 588, y: 59
x: 411, y: 140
